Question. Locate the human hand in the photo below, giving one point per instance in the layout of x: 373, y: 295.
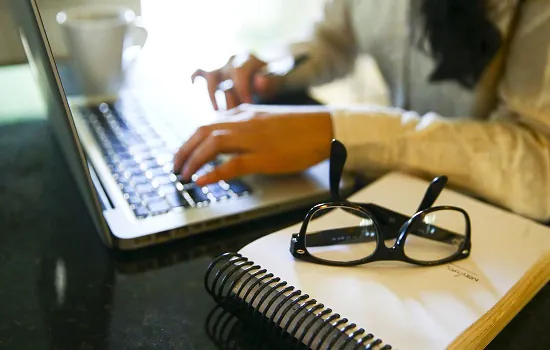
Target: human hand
x: 260, y: 143
x: 240, y: 79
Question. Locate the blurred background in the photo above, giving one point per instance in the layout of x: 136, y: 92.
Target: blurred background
x: 228, y: 25
x: 184, y: 36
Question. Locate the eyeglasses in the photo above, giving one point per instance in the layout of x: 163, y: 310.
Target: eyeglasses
x: 360, y: 233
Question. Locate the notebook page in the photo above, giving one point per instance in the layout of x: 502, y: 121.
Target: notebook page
x: 413, y: 307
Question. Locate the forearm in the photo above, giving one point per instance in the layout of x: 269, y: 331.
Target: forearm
x: 502, y: 162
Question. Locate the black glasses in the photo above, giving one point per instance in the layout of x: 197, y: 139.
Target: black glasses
x: 360, y: 233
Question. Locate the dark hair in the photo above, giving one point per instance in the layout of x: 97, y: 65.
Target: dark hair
x: 461, y: 39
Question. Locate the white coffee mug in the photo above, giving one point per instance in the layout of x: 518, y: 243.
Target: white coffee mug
x: 102, y: 41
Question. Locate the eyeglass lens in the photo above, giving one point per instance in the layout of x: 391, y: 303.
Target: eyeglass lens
x: 347, y: 235
x: 435, y: 236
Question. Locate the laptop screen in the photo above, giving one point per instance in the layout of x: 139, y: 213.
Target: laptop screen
x: 41, y: 61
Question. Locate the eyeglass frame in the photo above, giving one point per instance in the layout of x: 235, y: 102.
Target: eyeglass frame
x: 396, y: 252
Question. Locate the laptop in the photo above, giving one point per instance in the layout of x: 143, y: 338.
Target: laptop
x: 122, y: 162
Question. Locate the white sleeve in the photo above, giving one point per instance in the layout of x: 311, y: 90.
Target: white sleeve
x: 500, y: 161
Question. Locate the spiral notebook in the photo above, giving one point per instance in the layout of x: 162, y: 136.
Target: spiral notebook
x: 391, y: 305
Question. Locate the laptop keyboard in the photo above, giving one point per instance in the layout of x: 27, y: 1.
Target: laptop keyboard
x: 142, y: 163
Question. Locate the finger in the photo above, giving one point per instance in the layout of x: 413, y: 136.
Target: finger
x: 264, y: 85
x: 213, y: 79
x: 188, y: 147
x: 212, y: 84
x: 197, y: 73
x: 198, y: 136
x: 231, y: 99
x: 260, y: 162
x: 238, y: 166
x: 243, y: 77
x: 219, y: 142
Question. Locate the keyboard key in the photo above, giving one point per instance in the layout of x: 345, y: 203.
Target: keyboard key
x: 164, y: 157
x: 134, y: 171
x: 127, y: 189
x: 158, y: 207
x: 142, y: 156
x: 166, y: 189
x: 140, y: 211
x: 147, y: 133
x: 134, y: 144
x: 145, y: 188
x: 176, y: 200
x: 149, y: 163
x: 153, y: 172
x: 115, y: 143
x: 154, y: 143
x: 217, y: 191
x: 124, y: 156
x: 204, y: 170
x: 168, y: 167
x: 121, y: 178
x: 238, y: 187
x: 118, y: 149
x: 163, y: 180
x: 120, y: 121
x: 197, y: 195
x: 140, y: 179
x: 111, y: 161
x: 184, y: 183
x: 138, y: 148
x: 151, y: 197
x: 133, y: 199
x: 127, y: 163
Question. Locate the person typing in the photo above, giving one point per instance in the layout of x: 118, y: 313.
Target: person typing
x: 469, y: 83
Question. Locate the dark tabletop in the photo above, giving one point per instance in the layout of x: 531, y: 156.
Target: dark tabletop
x: 60, y: 288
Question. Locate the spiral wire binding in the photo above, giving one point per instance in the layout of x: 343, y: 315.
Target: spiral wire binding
x: 230, y: 332
x: 249, y: 292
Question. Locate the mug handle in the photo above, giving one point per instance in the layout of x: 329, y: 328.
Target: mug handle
x: 138, y: 34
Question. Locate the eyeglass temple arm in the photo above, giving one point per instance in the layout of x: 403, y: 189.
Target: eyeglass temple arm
x: 434, y: 190
x: 338, y: 155
x: 356, y: 234
x: 391, y: 222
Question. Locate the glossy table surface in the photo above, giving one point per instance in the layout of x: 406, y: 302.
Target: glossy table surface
x: 62, y: 289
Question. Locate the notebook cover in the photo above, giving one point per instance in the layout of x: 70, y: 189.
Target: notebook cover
x: 413, y: 307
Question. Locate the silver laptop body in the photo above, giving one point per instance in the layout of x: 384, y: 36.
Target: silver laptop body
x: 129, y: 190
